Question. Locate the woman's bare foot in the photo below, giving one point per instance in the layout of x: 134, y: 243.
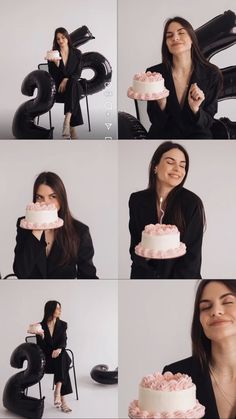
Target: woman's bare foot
x: 66, y: 130
x: 57, y: 399
x: 64, y: 407
x: 73, y: 133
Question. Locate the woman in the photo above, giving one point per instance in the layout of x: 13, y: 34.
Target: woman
x: 52, y: 340
x: 194, y: 85
x: 66, y: 71
x: 63, y: 253
x: 213, y: 364
x: 167, y: 173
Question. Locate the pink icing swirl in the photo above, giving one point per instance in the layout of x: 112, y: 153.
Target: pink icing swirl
x: 136, y: 413
x: 40, y: 207
x: 160, y: 229
x: 167, y: 381
x: 148, y: 76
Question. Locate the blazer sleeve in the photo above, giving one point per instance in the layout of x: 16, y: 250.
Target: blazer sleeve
x: 54, y: 71
x: 135, y: 235
x: 76, y: 73
x: 205, y: 116
x: 85, y: 266
x: 189, y: 265
x: 41, y: 343
x: 28, y: 251
x: 62, y: 337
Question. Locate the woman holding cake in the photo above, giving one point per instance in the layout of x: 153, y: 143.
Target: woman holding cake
x: 213, y: 362
x: 52, y: 339
x: 193, y: 83
x: 65, y: 69
x: 167, y: 201
x: 53, y: 253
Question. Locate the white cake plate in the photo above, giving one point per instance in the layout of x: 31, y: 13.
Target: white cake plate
x: 155, y: 96
x: 44, y: 226
x: 169, y: 254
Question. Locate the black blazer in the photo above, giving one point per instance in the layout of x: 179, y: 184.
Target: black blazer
x: 202, y: 380
x: 177, y: 122
x: 72, y: 69
x: 142, y: 206
x: 31, y: 261
x: 56, y: 341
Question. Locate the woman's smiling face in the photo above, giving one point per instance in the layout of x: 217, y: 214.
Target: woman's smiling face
x: 171, y: 169
x: 218, y: 311
x: 177, y: 39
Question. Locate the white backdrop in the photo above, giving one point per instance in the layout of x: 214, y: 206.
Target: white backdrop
x: 211, y: 176
x: 89, y: 172
x: 140, y: 31
x: 90, y: 309
x: 151, y: 335
x: 27, y: 30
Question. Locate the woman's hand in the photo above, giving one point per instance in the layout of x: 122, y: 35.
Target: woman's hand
x: 56, y: 353
x: 162, y: 103
x: 62, y: 86
x: 40, y: 333
x: 195, y: 97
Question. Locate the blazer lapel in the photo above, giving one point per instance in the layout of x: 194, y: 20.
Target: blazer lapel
x: 150, y: 209
x: 42, y: 261
x: 206, y: 394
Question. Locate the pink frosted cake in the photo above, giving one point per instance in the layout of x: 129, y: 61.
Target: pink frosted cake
x: 166, y: 396
x: 41, y: 217
x: 148, y: 86
x: 160, y: 241
x: 35, y: 328
x: 53, y: 55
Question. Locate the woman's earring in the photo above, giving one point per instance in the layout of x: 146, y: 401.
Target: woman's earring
x: 155, y: 171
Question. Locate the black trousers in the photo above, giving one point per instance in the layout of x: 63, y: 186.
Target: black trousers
x: 60, y: 368
x: 71, y: 99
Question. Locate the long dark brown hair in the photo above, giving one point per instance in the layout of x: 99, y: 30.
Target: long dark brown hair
x: 201, y: 345
x: 171, y: 202
x: 49, y: 310
x: 196, y: 54
x: 66, y: 236
x: 64, y: 32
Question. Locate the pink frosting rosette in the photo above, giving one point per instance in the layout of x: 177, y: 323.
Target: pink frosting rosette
x: 168, y: 382
x: 37, y: 206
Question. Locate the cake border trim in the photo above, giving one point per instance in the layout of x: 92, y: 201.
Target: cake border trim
x: 26, y: 225
x: 160, y: 254
x: 154, y: 96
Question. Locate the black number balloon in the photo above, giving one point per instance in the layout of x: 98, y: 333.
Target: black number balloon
x: 14, y: 398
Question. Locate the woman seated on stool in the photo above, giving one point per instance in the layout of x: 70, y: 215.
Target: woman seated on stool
x: 52, y: 340
x: 66, y: 70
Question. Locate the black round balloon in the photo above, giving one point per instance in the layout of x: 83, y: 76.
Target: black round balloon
x: 217, y: 34
x: 80, y: 36
x: 101, y: 374
x: 129, y: 127
x: 23, y: 125
x: 14, y: 398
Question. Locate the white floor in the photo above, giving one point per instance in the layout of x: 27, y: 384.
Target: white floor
x: 95, y: 400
